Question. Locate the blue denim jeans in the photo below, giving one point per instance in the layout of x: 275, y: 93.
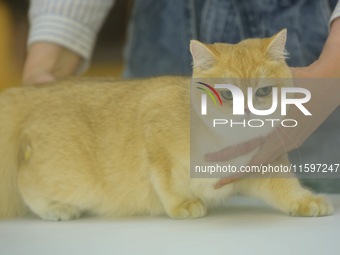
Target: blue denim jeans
x: 160, y: 31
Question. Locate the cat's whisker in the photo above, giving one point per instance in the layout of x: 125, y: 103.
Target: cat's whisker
x: 292, y: 141
x: 281, y: 140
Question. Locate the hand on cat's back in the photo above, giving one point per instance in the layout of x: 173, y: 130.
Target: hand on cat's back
x: 47, y: 62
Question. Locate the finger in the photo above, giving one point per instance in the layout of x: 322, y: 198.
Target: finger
x: 44, y: 78
x: 40, y: 79
x: 299, y: 72
x: 263, y: 156
x: 269, y: 151
x: 234, y: 151
x: 229, y: 180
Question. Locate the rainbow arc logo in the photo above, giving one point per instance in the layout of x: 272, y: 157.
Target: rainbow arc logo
x: 211, y: 92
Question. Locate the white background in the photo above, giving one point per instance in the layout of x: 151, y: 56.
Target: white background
x: 243, y: 227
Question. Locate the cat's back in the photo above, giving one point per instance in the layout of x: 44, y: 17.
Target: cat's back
x: 94, y: 94
x: 92, y: 107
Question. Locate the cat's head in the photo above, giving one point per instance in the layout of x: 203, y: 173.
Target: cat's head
x: 251, y: 58
x: 256, y: 63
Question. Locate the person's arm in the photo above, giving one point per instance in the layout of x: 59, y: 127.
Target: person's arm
x: 325, y: 99
x: 328, y: 63
x: 61, y: 37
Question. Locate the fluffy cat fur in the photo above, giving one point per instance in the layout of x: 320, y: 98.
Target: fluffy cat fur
x: 120, y: 148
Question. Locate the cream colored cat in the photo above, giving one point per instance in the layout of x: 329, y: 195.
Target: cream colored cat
x: 122, y: 148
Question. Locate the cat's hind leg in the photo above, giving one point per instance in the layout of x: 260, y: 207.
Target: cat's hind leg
x: 286, y: 194
x: 42, y: 201
x: 45, y: 193
x: 54, y: 211
x: 44, y: 198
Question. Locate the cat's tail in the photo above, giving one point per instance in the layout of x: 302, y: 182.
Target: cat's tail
x: 11, y: 204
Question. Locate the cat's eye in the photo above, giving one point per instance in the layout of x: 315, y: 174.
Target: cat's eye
x: 265, y: 91
x: 226, y: 94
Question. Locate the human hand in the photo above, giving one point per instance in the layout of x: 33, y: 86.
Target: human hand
x: 282, y: 140
x: 230, y: 153
x: 271, y: 147
x: 47, y: 62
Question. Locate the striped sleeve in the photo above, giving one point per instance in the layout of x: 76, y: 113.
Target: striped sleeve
x: 73, y: 24
x: 336, y: 12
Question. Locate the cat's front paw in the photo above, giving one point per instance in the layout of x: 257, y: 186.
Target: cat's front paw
x: 189, y: 209
x: 312, y: 206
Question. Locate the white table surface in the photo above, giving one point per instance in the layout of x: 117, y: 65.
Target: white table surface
x: 244, y: 227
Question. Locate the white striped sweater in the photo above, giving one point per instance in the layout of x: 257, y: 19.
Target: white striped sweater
x: 74, y: 24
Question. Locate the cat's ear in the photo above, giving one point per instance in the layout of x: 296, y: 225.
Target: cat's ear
x: 276, y: 47
x: 203, y: 57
